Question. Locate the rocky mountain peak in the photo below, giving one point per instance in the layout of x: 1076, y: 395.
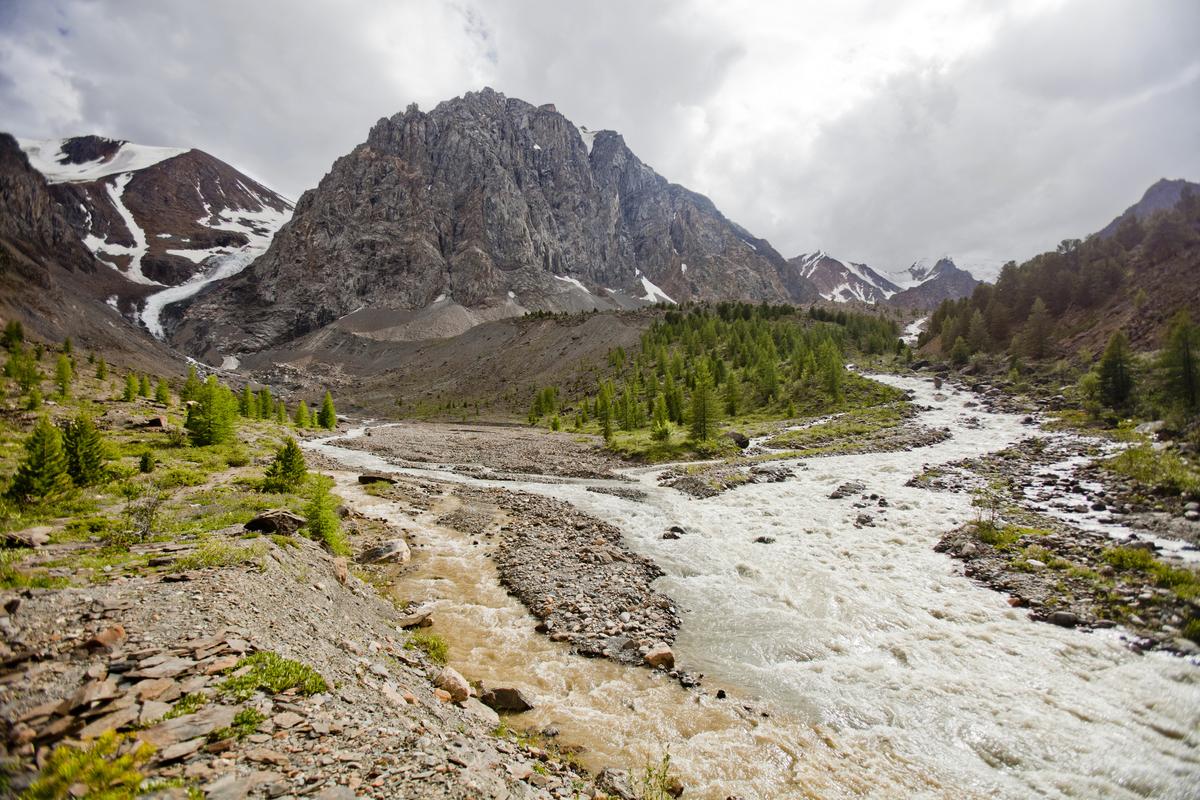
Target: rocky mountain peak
x: 486, y: 206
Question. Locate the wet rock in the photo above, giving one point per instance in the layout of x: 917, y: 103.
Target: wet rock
x: 505, y: 699
x: 395, y: 551
x: 847, y: 489
x: 277, y: 520
x: 453, y: 683
x: 1064, y: 619
x: 421, y: 618
x: 660, y: 657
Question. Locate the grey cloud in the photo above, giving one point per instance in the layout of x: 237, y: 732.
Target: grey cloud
x: 1045, y: 128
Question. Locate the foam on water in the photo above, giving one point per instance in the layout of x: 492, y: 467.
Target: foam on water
x: 886, y: 670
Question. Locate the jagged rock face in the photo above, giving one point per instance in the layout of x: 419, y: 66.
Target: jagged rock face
x: 31, y: 222
x: 482, y: 197
x: 155, y: 214
x: 944, y: 281
x: 843, y: 282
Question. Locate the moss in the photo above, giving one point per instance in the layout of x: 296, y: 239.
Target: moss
x: 245, y: 722
x: 188, y: 704
x: 268, y: 671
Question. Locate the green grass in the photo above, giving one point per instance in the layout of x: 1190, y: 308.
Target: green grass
x: 432, y: 644
x: 245, y: 722
x: 639, y: 445
x: 188, y: 704
x: 1156, y: 469
x: 221, y: 554
x: 271, y: 672
x: 848, y: 427
x: 1184, y: 582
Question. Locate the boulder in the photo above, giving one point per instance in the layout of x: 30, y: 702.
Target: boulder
x: 376, y: 477
x: 738, y: 438
x: 615, y: 783
x: 277, y: 520
x: 509, y: 700
x: 660, y: 657
x: 454, y: 684
x: 1064, y: 619
x: 416, y: 619
x: 30, y: 537
x: 394, y: 552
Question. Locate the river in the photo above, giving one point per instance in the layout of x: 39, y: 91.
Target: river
x: 884, y: 671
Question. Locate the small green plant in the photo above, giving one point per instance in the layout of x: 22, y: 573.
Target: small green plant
x: 655, y: 782
x: 432, y: 644
x: 188, y: 704
x: 271, y: 672
x: 245, y: 722
x: 109, y: 768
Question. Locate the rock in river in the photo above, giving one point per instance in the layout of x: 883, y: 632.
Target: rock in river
x: 395, y: 551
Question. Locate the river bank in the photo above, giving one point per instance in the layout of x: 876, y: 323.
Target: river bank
x: 845, y: 630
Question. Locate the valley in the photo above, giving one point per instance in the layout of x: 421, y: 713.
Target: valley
x: 499, y: 465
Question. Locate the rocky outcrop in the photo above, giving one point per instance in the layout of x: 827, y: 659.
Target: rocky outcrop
x: 944, y: 281
x: 486, y: 202
x: 843, y: 282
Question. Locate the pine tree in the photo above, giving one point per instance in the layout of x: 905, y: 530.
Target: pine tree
x: 660, y: 428
x: 162, y: 392
x: 23, y: 368
x: 84, y: 451
x: 960, y: 353
x: 102, y: 370
x: 43, y: 472
x: 302, y: 417
x: 1180, y: 363
x: 63, y: 375
x: 131, y: 388
x: 68, y: 346
x: 191, y: 386
x: 33, y: 401
x: 287, y: 471
x: 1035, y: 337
x: 247, y: 403
x: 327, y: 416
x: 732, y: 395
x: 978, y: 337
x: 144, y: 387
x: 1116, y: 377
x: 604, y: 413
x: 266, y: 406
x: 704, y: 406
x: 210, y: 419
x: 281, y: 413
x: 13, y: 336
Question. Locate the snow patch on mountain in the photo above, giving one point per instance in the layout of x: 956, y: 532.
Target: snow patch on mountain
x: 655, y: 294
x: 48, y: 158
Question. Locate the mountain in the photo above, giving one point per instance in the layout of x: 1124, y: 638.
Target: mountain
x: 50, y: 281
x: 841, y: 281
x: 1163, y: 195
x: 925, y: 287
x: 483, y: 208
x: 158, y: 216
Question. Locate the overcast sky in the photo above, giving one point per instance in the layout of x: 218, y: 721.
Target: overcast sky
x: 879, y: 130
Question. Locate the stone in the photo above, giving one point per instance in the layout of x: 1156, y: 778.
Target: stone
x: 276, y: 520
x: 615, y: 783
x: 287, y: 719
x: 153, y: 688
x: 114, y: 721
x: 505, y: 699
x: 738, y: 438
x: 764, y: 540
x: 442, y: 695
x: 265, y: 756
x: 660, y: 657
x: 452, y: 682
x: 1064, y: 619
x: 152, y: 711
x: 376, y: 477
x: 341, y: 570
x: 166, y: 669
x: 30, y: 537
x: 484, y: 713
x: 181, y: 749
x: 200, y: 724
x: 416, y: 619
x: 393, y: 552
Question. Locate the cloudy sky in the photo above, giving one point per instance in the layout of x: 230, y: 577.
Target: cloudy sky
x: 879, y: 130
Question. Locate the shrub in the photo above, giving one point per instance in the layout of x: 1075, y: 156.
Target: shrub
x: 322, y: 521
x: 288, y: 471
x: 110, y: 767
